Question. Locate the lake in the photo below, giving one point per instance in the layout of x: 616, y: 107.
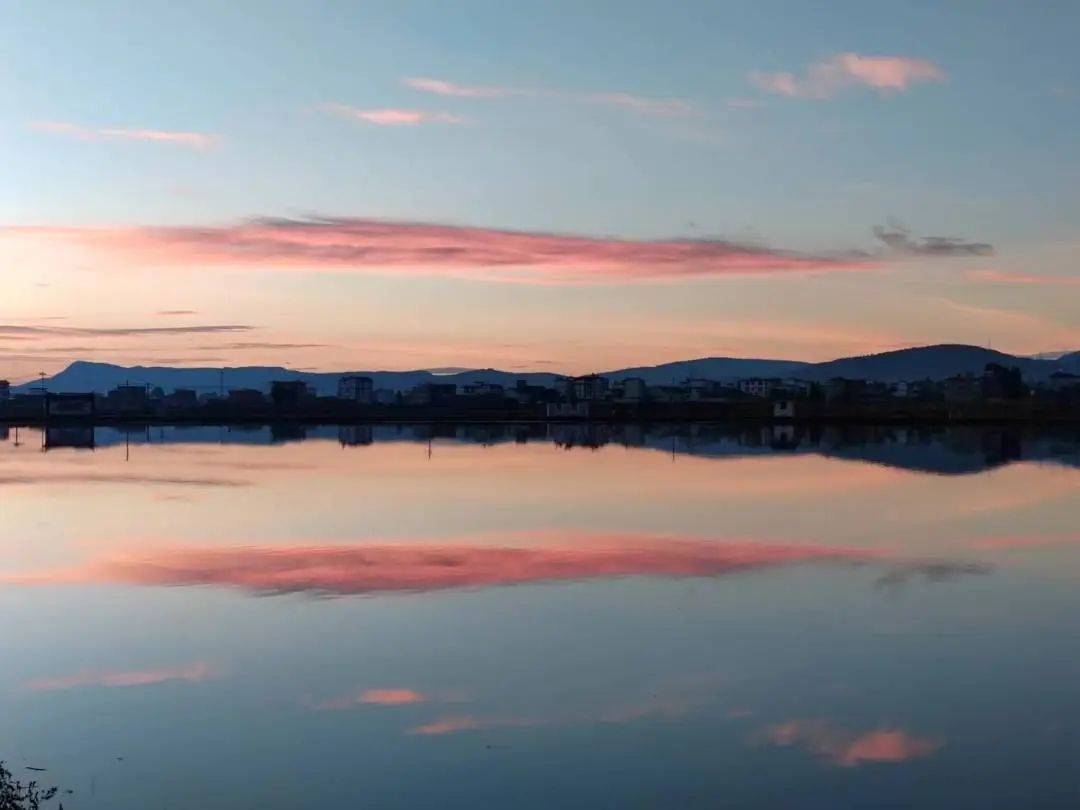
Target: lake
x: 541, y: 616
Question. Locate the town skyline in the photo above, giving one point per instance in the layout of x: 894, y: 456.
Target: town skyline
x: 534, y: 188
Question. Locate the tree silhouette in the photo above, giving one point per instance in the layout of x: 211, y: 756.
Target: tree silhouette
x: 14, y: 795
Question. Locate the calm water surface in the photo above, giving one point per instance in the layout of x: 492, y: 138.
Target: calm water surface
x: 542, y: 617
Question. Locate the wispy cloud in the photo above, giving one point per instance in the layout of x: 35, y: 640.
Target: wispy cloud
x: 442, y: 87
x: 79, y: 478
x: 991, y: 276
x: 172, y: 312
x: 901, y: 242
x: 193, y: 140
x: 394, y: 696
x: 392, y: 116
x: 744, y: 103
x: 389, y: 696
x: 931, y: 571
x: 190, y: 673
x: 468, y: 722
x: 665, y: 702
x: 822, y: 80
x: 9, y: 330
x: 847, y: 748
x: 644, y: 104
x: 648, y: 105
x: 379, y: 246
x: 255, y: 346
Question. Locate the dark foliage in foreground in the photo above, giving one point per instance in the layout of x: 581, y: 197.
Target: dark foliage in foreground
x: 14, y: 795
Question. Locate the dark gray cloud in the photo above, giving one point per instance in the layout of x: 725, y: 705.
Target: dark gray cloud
x: 899, y: 240
x: 931, y: 571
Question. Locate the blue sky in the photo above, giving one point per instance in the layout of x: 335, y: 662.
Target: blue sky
x: 617, y: 119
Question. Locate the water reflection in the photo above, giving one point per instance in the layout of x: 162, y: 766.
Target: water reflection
x: 940, y: 449
x: 703, y: 614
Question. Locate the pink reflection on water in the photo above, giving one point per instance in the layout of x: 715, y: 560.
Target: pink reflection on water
x: 847, y: 748
x: 190, y: 673
x: 378, y: 568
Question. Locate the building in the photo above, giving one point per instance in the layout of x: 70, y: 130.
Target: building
x: 480, y: 389
x: 182, y: 399
x: 246, y: 398
x: 355, y: 388
x: 288, y: 394
x: 525, y: 394
x: 431, y: 394
x: 759, y: 386
x: 634, y: 389
x: 70, y: 405
x: 902, y: 389
x: 588, y: 388
x: 28, y: 405
x: 783, y: 408
x: 845, y: 390
x: 667, y: 393
x: 962, y: 388
x: 1001, y: 382
x: 5, y: 390
x: 127, y: 399
x: 796, y: 387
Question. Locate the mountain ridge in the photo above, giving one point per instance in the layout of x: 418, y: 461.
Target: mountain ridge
x: 916, y: 363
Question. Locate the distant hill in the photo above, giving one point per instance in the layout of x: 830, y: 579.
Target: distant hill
x: 712, y: 368
x: 102, y: 377
x: 923, y: 362
x: 1070, y: 362
x: 931, y: 362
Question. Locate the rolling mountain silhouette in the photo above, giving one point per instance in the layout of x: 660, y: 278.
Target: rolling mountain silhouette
x: 924, y: 362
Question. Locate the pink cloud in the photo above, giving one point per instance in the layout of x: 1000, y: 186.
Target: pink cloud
x: 663, y: 706
x: 191, y: 673
x: 379, y: 246
x: 669, y: 702
x: 194, y: 140
x: 409, y: 567
x: 992, y: 276
x: 825, y: 79
x: 467, y: 722
x: 392, y: 117
x: 442, y: 87
x: 392, y: 697
x: 644, y: 104
x: 847, y: 748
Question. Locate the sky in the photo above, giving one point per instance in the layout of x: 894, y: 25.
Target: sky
x: 548, y: 186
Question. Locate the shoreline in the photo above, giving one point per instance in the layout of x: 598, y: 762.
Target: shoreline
x: 989, y: 419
